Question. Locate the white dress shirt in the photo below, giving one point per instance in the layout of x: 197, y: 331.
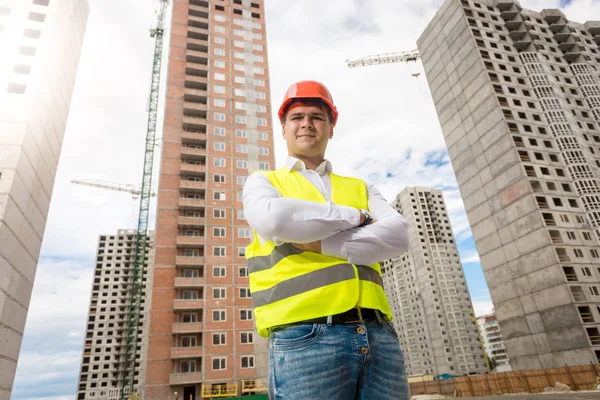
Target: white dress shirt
x: 288, y: 220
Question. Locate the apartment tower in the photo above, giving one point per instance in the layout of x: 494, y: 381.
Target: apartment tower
x: 517, y: 93
x: 40, y: 44
x: 489, y: 330
x: 217, y: 131
x: 102, y: 360
x: 428, y: 293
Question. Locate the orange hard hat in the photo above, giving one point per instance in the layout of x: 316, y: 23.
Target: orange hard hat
x: 308, y: 90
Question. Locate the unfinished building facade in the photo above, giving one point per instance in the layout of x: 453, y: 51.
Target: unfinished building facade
x: 102, y: 361
x: 202, y: 340
x: 517, y: 93
x: 428, y: 293
x: 40, y: 44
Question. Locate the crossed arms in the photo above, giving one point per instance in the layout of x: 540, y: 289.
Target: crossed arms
x: 287, y: 220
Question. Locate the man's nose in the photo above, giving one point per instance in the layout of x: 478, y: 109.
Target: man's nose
x: 307, y: 122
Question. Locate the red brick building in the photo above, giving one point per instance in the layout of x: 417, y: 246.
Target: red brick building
x: 217, y: 131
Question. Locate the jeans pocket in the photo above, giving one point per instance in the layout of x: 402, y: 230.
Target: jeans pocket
x: 389, y: 326
x: 295, y: 337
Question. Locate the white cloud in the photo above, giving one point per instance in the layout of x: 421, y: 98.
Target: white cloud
x: 51, y: 350
x: 482, y: 306
x: 469, y: 257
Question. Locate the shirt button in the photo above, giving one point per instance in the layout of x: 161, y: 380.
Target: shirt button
x: 360, y: 330
x: 364, y: 350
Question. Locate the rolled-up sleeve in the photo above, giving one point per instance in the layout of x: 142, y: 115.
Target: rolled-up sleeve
x: 283, y: 220
x: 384, y: 239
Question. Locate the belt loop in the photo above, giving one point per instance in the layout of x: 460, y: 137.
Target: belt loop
x: 379, y: 319
x: 329, y: 320
x: 360, y: 317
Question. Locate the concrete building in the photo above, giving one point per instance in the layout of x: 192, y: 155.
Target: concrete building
x: 40, y: 44
x: 103, y: 355
x: 217, y: 131
x: 518, y: 98
x: 489, y: 330
x: 428, y: 293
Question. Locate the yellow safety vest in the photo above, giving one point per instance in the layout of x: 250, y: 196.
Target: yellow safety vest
x: 290, y: 285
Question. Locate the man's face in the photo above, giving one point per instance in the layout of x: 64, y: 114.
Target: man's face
x: 307, y: 130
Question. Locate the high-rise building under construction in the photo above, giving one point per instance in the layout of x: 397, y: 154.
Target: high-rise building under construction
x: 428, y: 293
x: 100, y: 374
x: 217, y: 131
x: 40, y: 44
x: 517, y: 93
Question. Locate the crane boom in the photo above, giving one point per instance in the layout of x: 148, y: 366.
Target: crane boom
x: 388, y: 58
x: 117, y: 187
x: 135, y: 295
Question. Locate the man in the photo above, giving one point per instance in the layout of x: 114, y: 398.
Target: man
x: 314, y: 277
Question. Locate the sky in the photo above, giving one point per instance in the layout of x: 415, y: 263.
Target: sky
x: 387, y: 134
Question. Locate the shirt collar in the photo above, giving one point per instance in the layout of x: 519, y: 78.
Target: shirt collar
x: 298, y: 165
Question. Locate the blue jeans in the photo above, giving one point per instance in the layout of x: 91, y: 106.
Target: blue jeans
x: 337, y: 362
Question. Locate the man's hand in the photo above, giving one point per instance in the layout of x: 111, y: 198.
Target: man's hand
x: 363, y: 217
x: 315, y: 247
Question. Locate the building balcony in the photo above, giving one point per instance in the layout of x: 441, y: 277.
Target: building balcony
x: 187, y: 167
x: 194, y: 94
x: 197, y: 11
x: 193, y: 241
x: 192, y: 185
x: 192, y: 204
x: 567, y: 45
x: 195, y: 89
x: 509, y: 14
x: 197, y: 45
x: 193, y: 151
x: 183, y: 261
x: 180, y: 327
x: 186, y: 352
x: 197, y: 22
x: 191, y: 222
x: 194, y: 109
x: 185, y: 378
x: 562, y: 36
x: 552, y: 15
x: 194, y: 137
x: 505, y: 4
x: 194, y: 123
x: 197, y: 33
x: 572, y: 53
x: 518, y: 33
x: 183, y: 305
x: 195, y: 64
x: 558, y: 26
x: 182, y: 282
x: 513, y: 24
x: 523, y: 42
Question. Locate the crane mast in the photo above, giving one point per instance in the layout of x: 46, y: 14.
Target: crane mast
x: 388, y: 58
x: 135, y: 296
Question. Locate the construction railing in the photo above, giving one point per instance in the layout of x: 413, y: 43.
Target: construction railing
x: 580, y: 377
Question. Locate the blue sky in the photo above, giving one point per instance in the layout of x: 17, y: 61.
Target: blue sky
x: 387, y: 133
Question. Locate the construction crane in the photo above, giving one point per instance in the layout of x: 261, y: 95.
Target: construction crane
x: 135, y: 296
x: 135, y: 190
x: 388, y: 58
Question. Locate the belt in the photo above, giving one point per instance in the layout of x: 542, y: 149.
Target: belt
x: 351, y: 316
